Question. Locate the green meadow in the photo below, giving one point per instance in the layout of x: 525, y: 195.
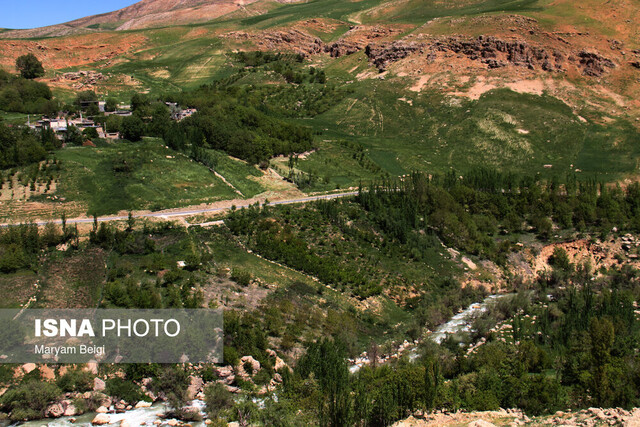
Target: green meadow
x: 128, y: 176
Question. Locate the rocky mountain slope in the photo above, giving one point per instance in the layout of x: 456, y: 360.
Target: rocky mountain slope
x: 587, y: 55
x: 144, y: 14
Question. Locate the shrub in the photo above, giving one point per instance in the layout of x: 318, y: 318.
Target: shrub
x: 29, y: 400
x: 241, y: 277
x: 125, y: 390
x: 76, y: 380
x: 217, y: 399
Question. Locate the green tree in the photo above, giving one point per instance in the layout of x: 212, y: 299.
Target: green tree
x: 328, y: 363
x: 90, y: 133
x: 431, y: 382
x: 110, y: 105
x: 602, y: 334
x: 29, y: 66
x: 132, y: 129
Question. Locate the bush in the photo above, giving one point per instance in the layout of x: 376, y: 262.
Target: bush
x: 230, y: 356
x: 172, y: 383
x: 29, y: 400
x: 217, y: 399
x: 132, y: 128
x: 241, y: 277
x: 76, y: 380
x: 125, y: 390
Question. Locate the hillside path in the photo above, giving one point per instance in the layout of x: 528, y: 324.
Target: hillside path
x: 217, y: 207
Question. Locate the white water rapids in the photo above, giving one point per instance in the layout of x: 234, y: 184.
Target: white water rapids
x: 460, y: 323
x: 135, y: 418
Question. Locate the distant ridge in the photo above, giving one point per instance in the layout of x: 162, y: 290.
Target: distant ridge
x: 144, y: 14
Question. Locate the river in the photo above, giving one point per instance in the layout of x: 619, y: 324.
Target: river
x: 135, y: 418
x: 459, y: 324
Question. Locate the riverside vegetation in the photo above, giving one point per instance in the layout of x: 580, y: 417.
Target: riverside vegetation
x: 570, y: 341
x: 307, y: 288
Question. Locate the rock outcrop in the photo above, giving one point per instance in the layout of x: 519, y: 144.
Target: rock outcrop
x: 491, y: 51
x: 593, y: 64
x: 292, y: 40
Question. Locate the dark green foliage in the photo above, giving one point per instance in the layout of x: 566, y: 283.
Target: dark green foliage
x: 90, y: 133
x: 20, y: 245
x: 19, y: 147
x: 326, y: 360
x: 240, y: 131
x: 248, y: 121
x: 132, y: 128
x: 76, y: 380
x: 87, y: 101
x: 171, y: 384
x: 124, y: 390
x: 241, y: 277
x: 29, y: 66
x: 218, y: 399
x: 25, y: 96
x: 111, y: 104
x: 28, y: 400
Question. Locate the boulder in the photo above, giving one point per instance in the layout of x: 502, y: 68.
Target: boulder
x: 92, y: 367
x: 98, y: 384
x: 255, y: 365
x: 55, y: 410
x: 280, y: 364
x: 69, y: 408
x: 102, y: 410
x: 195, y: 387
x: 143, y: 404
x: 101, y: 419
x: 47, y: 373
x: 28, y: 367
x: 70, y: 411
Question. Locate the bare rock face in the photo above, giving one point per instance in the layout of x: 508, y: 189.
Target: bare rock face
x: 593, y: 64
x: 285, y: 41
x: 255, y: 365
x: 343, y: 48
x: 357, y: 39
x: 491, y: 51
x: 386, y: 54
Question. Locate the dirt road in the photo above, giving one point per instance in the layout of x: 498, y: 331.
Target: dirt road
x: 192, y: 210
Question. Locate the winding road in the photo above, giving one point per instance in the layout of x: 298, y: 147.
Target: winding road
x: 190, y: 211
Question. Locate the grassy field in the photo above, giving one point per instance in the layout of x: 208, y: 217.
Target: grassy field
x: 14, y: 118
x: 143, y: 175
x: 240, y: 174
x: 503, y: 129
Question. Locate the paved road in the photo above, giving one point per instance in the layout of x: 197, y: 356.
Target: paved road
x: 179, y: 213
